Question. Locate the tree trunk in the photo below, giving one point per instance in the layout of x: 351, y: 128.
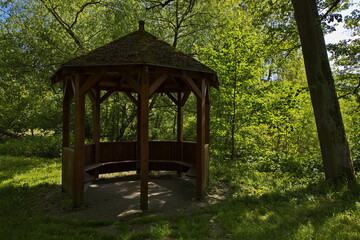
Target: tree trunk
x: 334, y: 146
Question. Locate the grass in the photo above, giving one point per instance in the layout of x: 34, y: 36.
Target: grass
x: 260, y: 206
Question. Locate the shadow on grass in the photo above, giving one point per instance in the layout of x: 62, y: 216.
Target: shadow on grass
x: 318, y: 211
x: 30, y: 194
x: 25, y: 213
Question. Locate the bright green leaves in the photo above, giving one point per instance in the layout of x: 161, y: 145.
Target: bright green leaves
x: 262, y: 113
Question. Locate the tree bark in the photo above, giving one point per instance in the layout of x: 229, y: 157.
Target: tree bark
x: 335, y: 152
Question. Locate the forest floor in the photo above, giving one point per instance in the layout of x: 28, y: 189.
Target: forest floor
x: 264, y: 205
x: 116, y: 198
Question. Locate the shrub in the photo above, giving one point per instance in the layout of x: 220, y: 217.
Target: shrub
x: 33, y: 146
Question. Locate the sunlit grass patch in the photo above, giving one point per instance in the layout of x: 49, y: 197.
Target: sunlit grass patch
x: 181, y: 226
x: 286, y: 220
x: 343, y: 225
x: 313, y: 211
x: 30, y: 171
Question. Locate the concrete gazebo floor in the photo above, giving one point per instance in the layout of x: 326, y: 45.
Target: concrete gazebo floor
x: 119, y: 197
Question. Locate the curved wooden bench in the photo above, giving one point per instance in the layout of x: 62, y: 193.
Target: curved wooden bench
x: 94, y: 166
x: 133, y: 165
x: 92, y: 170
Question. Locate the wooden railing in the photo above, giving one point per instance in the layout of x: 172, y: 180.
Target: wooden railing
x: 164, y: 150
x: 158, y: 150
x: 189, y: 152
x: 117, y: 151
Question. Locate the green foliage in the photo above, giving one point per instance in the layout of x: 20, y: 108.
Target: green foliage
x: 118, y: 118
x: 264, y: 147
x: 259, y: 120
x: 260, y: 116
x: 38, y: 36
x: 33, y: 146
x: 351, y: 116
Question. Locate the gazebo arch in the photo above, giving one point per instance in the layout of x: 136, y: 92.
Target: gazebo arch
x: 139, y: 65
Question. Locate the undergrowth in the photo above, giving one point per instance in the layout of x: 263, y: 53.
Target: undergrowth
x: 48, y: 146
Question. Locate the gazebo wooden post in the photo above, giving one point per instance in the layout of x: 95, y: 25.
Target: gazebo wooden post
x: 207, y: 115
x: 180, y: 125
x: 207, y: 135
x: 66, y: 113
x: 68, y: 93
x: 138, y: 134
x: 79, y: 132
x: 201, y: 140
x: 143, y: 140
x: 96, y: 123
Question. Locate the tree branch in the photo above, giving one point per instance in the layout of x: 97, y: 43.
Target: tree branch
x: 332, y: 6
x: 66, y: 26
x: 355, y: 91
x: 82, y: 8
x: 159, y: 4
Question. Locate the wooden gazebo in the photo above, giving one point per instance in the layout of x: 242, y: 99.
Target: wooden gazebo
x: 139, y: 65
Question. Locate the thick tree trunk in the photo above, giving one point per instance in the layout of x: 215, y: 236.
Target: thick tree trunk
x: 334, y: 146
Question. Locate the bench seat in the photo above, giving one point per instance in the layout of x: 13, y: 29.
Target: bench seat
x: 95, y: 166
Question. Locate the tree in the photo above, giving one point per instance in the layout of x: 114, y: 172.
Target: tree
x: 35, y: 38
x: 345, y: 57
x: 255, y: 118
x: 334, y: 146
x: 181, y: 22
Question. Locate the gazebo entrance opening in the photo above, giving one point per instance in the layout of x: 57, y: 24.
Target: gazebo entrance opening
x: 138, y: 65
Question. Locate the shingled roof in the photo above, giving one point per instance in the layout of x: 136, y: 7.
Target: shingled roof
x: 139, y: 47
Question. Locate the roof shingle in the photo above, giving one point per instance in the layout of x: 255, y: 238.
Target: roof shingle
x: 139, y: 47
